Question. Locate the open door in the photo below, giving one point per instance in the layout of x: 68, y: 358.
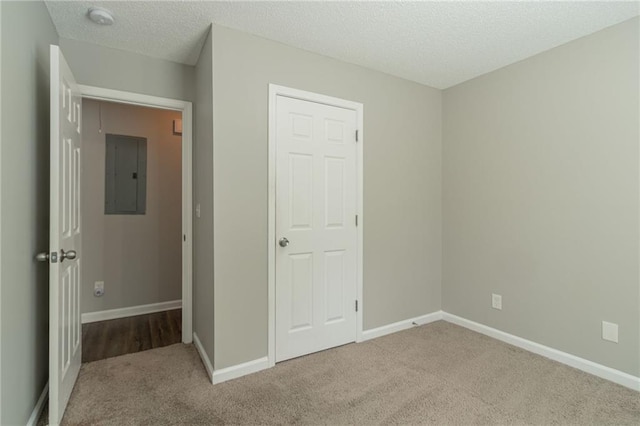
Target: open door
x: 65, y: 333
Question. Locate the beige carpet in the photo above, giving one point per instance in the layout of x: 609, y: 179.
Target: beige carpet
x: 434, y: 374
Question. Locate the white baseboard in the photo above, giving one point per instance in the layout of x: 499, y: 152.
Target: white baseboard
x: 240, y: 370
x: 131, y: 311
x: 256, y: 365
x: 203, y: 355
x: 607, y: 373
x: 401, y: 325
x: 37, y: 410
x: 599, y: 370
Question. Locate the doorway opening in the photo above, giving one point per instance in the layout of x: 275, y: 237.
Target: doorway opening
x: 65, y: 255
x: 136, y: 216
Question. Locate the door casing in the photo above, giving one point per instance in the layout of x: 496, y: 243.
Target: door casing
x: 98, y: 93
x: 274, y: 92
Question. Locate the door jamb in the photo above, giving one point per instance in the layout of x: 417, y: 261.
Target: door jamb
x: 122, y: 97
x: 274, y: 91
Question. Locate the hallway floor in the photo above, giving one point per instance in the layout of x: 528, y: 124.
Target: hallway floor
x: 106, y: 339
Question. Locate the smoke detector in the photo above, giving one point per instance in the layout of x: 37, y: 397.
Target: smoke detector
x: 100, y: 16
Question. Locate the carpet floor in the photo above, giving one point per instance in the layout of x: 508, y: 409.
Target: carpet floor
x: 433, y: 374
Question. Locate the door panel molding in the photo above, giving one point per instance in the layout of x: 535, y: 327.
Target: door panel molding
x: 336, y: 135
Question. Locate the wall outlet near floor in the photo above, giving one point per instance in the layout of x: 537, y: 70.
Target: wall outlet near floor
x: 496, y: 301
x: 610, y: 331
x: 98, y: 289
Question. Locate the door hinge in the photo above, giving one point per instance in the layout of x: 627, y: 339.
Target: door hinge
x: 184, y: 238
x: 356, y: 306
x: 356, y: 136
x: 356, y: 220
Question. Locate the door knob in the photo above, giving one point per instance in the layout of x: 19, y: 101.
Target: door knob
x: 42, y: 257
x: 283, y: 242
x: 71, y: 255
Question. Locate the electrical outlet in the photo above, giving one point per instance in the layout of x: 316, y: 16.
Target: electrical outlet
x: 496, y: 301
x: 610, y: 331
x: 98, y: 289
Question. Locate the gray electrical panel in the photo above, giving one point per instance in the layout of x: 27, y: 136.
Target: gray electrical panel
x: 125, y: 175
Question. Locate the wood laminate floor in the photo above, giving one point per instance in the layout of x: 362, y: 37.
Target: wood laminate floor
x: 106, y: 339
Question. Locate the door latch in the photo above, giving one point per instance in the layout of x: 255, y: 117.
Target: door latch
x: 46, y: 257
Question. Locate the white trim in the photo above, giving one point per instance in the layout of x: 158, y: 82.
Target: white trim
x: 121, y: 97
x: 274, y: 91
x: 187, y: 225
x: 130, y: 311
x: 203, y: 356
x: 271, y: 232
x: 263, y: 363
x: 585, y: 365
x: 401, y: 325
x: 240, y: 370
x: 37, y: 410
x: 186, y: 108
x: 1, y: 198
x: 360, y: 227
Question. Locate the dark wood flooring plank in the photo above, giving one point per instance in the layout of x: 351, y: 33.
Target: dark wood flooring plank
x: 116, y: 343
x: 142, y: 336
x: 175, y: 324
x: 156, y: 329
x: 121, y: 336
x: 89, y: 342
x: 94, y: 341
x: 174, y: 321
x: 164, y: 330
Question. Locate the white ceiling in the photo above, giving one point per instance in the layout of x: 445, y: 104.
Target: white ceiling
x: 439, y: 44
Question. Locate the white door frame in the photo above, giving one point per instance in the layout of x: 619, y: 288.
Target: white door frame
x: 274, y: 91
x: 98, y: 93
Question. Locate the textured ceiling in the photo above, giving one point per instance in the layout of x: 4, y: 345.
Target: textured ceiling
x: 439, y: 44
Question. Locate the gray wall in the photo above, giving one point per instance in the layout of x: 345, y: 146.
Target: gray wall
x: 402, y: 187
x: 104, y: 67
x: 27, y: 32
x: 541, y: 197
x: 203, y: 195
x: 137, y: 256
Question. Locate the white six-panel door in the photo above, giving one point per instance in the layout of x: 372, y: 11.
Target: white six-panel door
x: 316, y: 183
x: 65, y: 333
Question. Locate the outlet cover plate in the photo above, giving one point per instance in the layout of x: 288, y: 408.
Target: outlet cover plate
x: 496, y: 301
x: 98, y: 288
x: 610, y: 331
